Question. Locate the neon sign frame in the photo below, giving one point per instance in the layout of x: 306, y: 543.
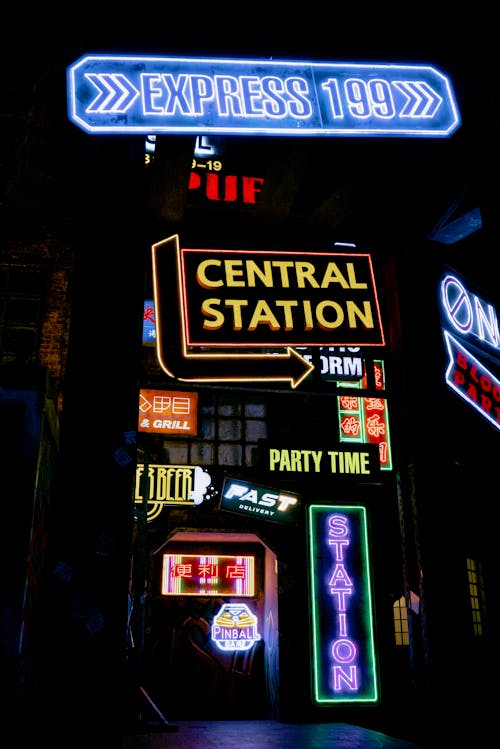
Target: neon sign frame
x: 158, y: 486
x: 263, y: 502
x: 472, y: 381
x: 365, y: 418
x: 208, y: 575
x: 475, y: 323
x: 127, y: 94
x: 324, y: 298
x: 343, y: 666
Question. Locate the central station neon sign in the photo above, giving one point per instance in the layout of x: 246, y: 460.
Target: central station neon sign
x: 268, y: 298
x: 108, y: 93
x: 231, y: 308
x: 344, y: 668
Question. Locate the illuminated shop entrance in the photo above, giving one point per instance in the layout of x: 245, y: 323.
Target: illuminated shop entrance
x: 212, y: 638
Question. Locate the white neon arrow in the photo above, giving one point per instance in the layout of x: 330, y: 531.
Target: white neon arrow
x: 421, y: 99
x: 116, y: 93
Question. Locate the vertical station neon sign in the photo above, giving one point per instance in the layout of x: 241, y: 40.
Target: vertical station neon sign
x: 344, y: 667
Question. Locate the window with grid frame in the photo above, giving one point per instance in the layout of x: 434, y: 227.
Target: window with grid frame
x: 21, y: 293
x: 400, y: 613
x: 230, y: 424
x: 476, y: 593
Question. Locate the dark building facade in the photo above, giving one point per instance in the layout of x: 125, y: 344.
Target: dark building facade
x: 104, y: 506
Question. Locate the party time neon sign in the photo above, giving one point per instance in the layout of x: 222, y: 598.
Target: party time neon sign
x: 344, y: 668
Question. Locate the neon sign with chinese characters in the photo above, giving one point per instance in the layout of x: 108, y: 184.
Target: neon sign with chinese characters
x: 149, y: 323
x: 344, y: 667
x: 208, y: 575
x: 365, y: 419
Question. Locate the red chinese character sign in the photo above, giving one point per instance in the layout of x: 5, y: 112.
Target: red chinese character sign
x: 365, y: 419
x: 149, y: 323
x: 208, y: 575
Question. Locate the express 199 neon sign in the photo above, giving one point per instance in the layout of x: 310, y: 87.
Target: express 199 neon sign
x: 113, y: 94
